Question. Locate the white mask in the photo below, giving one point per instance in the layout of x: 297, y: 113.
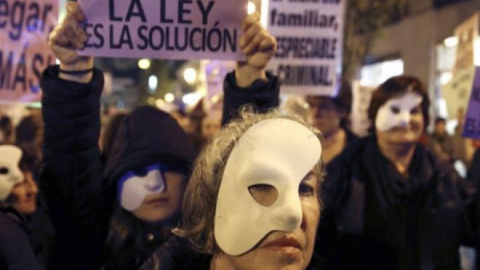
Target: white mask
x: 276, y: 152
x: 388, y: 119
x: 133, y: 188
x: 10, y: 173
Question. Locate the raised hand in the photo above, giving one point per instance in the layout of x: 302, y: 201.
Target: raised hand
x: 259, y: 46
x: 66, y: 39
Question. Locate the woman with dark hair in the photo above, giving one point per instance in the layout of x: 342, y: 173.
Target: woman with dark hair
x: 389, y: 204
x: 18, y: 193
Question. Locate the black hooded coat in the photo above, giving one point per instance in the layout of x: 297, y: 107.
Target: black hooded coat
x: 79, y: 189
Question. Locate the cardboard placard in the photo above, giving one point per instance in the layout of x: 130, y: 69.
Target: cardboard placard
x: 24, y: 52
x: 168, y: 29
x: 309, y: 36
x: 471, y: 127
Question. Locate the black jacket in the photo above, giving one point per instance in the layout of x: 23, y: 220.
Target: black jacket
x: 79, y: 189
x: 375, y: 218
x: 16, y: 252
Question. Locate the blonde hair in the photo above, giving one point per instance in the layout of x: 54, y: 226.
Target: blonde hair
x: 200, y: 199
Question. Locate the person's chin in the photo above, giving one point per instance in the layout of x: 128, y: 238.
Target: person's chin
x: 284, y: 257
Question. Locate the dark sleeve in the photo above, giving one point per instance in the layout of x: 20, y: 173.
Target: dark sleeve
x: 474, y: 170
x: 71, y: 171
x: 262, y: 95
x: 15, y: 250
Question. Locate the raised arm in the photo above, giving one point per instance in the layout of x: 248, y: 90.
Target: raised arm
x: 71, y: 171
x: 250, y: 83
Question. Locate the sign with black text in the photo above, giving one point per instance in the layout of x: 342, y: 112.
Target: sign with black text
x: 168, y: 29
x: 309, y: 36
x: 24, y: 52
x: 471, y: 127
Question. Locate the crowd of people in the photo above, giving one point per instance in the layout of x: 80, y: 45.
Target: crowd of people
x: 257, y: 189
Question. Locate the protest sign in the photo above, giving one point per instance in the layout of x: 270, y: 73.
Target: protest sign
x: 309, y: 36
x: 466, y: 34
x: 361, y: 101
x: 471, y: 127
x: 457, y: 92
x: 24, y: 52
x: 169, y: 29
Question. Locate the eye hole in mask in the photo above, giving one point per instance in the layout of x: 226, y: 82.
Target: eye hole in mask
x: 4, y: 170
x: 395, y: 109
x: 264, y: 194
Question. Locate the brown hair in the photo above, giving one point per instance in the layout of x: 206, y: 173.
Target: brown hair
x: 397, y: 86
x: 200, y: 199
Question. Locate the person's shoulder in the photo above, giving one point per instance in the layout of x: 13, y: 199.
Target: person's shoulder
x: 177, y: 254
x: 11, y: 229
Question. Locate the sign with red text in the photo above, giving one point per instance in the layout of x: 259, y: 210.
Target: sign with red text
x: 309, y: 36
x: 24, y: 52
x: 169, y: 29
x: 471, y: 127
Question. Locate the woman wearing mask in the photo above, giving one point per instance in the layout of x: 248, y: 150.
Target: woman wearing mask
x: 389, y: 203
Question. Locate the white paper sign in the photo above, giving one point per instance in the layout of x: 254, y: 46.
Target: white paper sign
x: 309, y: 36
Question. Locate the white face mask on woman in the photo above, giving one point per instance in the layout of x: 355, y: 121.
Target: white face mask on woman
x: 396, y: 112
x: 134, y: 187
x: 10, y: 173
x: 277, y: 153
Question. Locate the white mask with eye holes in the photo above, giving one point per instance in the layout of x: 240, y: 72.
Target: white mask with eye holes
x: 133, y: 188
x: 397, y: 112
x: 275, y: 152
x: 10, y: 173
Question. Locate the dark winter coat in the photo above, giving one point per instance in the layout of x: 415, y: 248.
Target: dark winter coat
x: 376, y: 218
x: 79, y: 189
x: 16, y: 252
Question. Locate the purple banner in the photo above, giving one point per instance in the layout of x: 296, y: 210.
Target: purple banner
x: 471, y: 128
x: 171, y: 29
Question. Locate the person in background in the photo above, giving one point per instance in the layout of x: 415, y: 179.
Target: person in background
x: 18, y: 193
x: 209, y: 126
x: 29, y: 133
x: 440, y: 143
x: 389, y: 202
x: 330, y: 115
x: 6, y: 130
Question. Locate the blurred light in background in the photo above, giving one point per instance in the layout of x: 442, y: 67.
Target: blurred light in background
x: 451, y: 42
x: 159, y: 103
x: 151, y: 100
x: 169, y: 97
x: 191, y: 98
x: 445, y: 77
x: 190, y: 75
x: 144, y: 63
x: 251, y: 7
x: 152, y: 83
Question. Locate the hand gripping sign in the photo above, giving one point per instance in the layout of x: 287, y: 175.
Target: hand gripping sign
x: 171, y: 29
x: 24, y: 53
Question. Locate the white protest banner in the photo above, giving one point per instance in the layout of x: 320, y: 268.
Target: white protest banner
x: 471, y: 128
x: 361, y: 101
x: 457, y: 92
x: 309, y: 36
x: 169, y: 29
x: 466, y: 34
x: 24, y: 52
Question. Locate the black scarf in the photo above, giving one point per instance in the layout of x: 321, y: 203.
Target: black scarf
x: 395, y: 206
